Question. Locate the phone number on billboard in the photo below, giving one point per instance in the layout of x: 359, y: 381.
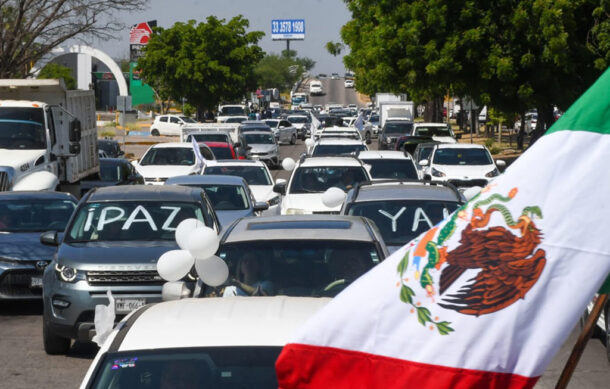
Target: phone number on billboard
x: 288, y: 26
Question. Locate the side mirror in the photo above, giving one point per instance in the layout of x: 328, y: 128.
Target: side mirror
x: 280, y: 188
x: 500, y: 163
x: 135, y: 162
x: 260, y: 206
x: 424, y: 162
x: 458, y: 136
x: 74, y: 133
x: 427, y: 177
x: 49, y: 238
x: 280, y: 180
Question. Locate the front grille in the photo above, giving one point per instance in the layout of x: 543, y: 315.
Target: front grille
x: 468, y: 183
x: 5, y: 182
x: 17, y: 284
x: 124, y: 277
x: 158, y: 179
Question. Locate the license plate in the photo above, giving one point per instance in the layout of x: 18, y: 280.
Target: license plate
x: 36, y: 282
x: 122, y: 305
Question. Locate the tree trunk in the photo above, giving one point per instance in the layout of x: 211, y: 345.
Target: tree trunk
x: 434, y: 110
x: 521, y: 133
x: 544, y: 122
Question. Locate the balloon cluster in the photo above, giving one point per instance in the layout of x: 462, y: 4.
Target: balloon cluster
x: 198, y: 244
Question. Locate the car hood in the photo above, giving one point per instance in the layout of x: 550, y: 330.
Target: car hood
x: 310, y: 202
x: 165, y: 171
x: 226, y: 218
x: 20, y: 160
x: 263, y: 193
x: 24, y: 246
x: 465, y: 172
x: 259, y: 148
x: 444, y: 139
x: 298, y: 126
x: 106, y: 255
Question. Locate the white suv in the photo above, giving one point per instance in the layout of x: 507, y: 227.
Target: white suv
x: 312, y: 177
x: 389, y: 165
x: 169, y: 124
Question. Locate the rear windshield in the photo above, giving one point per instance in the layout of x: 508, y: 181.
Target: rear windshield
x: 226, y: 197
x: 462, y: 157
x: 392, y: 168
x: 324, y: 150
x: 297, y: 120
x: 432, y: 131
x: 222, y: 152
x: 254, y: 175
x: 398, y: 128
x: 131, y: 220
x: 318, y: 179
x: 35, y: 215
x: 259, y: 139
x: 209, y: 138
x: 232, y: 111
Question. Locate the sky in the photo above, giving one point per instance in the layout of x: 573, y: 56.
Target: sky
x: 323, y: 21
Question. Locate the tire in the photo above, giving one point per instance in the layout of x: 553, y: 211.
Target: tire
x: 154, y: 132
x: 293, y: 139
x: 53, y: 344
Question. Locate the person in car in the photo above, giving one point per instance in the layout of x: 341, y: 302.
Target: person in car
x: 344, y: 267
x: 249, y: 279
x: 347, y: 180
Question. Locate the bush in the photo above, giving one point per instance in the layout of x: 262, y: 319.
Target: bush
x: 495, y: 150
x: 189, y: 110
x: 107, y: 134
x: 489, y: 142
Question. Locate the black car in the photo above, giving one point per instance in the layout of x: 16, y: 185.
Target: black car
x: 110, y: 147
x: 23, y: 216
x: 113, y: 171
x: 391, y: 131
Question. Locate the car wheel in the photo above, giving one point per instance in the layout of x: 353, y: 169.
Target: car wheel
x: 293, y: 139
x: 154, y: 132
x: 53, y: 344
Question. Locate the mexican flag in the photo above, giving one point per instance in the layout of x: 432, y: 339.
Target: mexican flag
x: 487, y: 297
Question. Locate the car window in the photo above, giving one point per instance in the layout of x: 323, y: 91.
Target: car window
x: 325, y: 150
x: 432, y: 131
x: 265, y: 139
x: 232, y: 111
x: 226, y: 197
x: 110, y: 172
x: 272, y: 123
x: 181, y: 156
x: 221, y: 152
x: 318, y: 179
x: 130, y: 220
x: 398, y: 128
x: 462, y: 156
x: 400, y: 221
x: 392, y: 168
x: 35, y: 215
x: 209, y: 138
x: 187, y: 119
x: 424, y: 153
x: 254, y: 175
x: 297, y: 267
x: 174, y: 120
x: 163, y: 119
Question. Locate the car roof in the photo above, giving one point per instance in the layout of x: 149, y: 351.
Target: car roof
x: 297, y: 227
x: 235, y: 162
x: 186, y: 145
x: 35, y: 195
x: 258, y: 133
x: 382, y: 154
x: 404, y: 191
x: 253, y: 122
x: 460, y: 146
x: 145, y: 193
x: 338, y: 141
x: 297, y: 116
x: 330, y: 161
x: 212, y: 179
x: 443, y: 125
x: 217, y: 322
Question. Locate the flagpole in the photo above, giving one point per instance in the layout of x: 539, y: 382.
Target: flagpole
x: 581, y: 343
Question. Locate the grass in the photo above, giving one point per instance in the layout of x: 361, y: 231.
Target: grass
x: 107, y: 134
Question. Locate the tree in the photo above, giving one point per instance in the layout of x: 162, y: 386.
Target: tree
x: 334, y: 48
x: 54, y: 70
x: 30, y: 29
x: 279, y: 71
x: 206, y: 63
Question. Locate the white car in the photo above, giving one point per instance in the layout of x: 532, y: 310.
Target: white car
x: 263, y: 147
x: 311, y: 177
x: 348, y: 83
x: 389, y: 165
x: 301, y: 123
x: 256, y: 174
x: 169, y: 124
x: 165, y: 160
x: 315, y: 88
x: 230, y: 342
x: 440, y: 132
x: 231, y: 110
x: 283, y: 130
x: 337, y: 146
x: 463, y: 165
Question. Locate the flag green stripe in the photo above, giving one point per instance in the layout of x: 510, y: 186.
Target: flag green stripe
x: 605, y: 289
x: 591, y: 112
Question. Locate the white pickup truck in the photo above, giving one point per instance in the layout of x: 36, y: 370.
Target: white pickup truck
x: 48, y: 136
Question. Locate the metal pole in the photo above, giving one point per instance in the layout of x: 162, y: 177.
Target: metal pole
x: 472, y: 124
x: 287, y: 47
x: 581, y: 343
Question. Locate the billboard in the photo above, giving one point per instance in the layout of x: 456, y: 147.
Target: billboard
x: 288, y: 29
x: 139, y: 34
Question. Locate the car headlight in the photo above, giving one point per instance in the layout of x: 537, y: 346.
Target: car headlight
x: 493, y: 173
x: 274, y: 201
x: 295, y: 211
x: 437, y: 173
x: 65, y: 273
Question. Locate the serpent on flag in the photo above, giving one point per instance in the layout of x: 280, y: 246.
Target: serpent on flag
x: 487, y: 297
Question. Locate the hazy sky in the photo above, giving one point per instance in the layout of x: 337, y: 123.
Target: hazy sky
x: 323, y: 21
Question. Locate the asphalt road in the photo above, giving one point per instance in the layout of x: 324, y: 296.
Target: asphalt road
x: 335, y: 92
x: 24, y: 364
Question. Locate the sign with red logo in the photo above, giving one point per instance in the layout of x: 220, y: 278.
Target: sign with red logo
x: 140, y: 33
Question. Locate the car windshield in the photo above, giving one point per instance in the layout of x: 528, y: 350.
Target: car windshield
x: 222, y: 152
x: 187, y: 119
x: 259, y: 139
x: 374, y: 119
x: 35, y: 215
x: 272, y: 123
x: 432, y: 131
x: 22, y: 128
x: 130, y: 220
x: 325, y: 150
x: 238, y: 119
x: 111, y: 148
x: 424, y: 153
x: 319, y: 178
x: 182, y: 156
x: 294, y: 119
x: 225, y: 197
x: 400, y: 221
x: 254, y: 175
x: 251, y: 128
x: 462, y: 156
x: 232, y: 111
x: 295, y: 267
x: 209, y: 137
x: 392, y: 168
x: 398, y: 128
x: 202, y: 367
x: 113, y: 172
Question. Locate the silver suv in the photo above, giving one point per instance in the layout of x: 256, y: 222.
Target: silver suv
x: 113, y: 242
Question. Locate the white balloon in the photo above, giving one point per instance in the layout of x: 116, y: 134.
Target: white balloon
x: 288, y: 164
x: 309, y: 143
x: 333, y: 197
x: 202, y: 242
x: 175, y: 264
x: 213, y: 271
x: 184, y: 229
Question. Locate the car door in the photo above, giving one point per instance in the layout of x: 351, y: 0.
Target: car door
x: 174, y: 125
x: 286, y: 132
x: 162, y: 125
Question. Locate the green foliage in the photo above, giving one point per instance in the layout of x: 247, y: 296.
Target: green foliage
x: 54, y: 70
x: 334, y: 48
x: 206, y: 63
x: 495, y: 150
x: 489, y: 142
x: 280, y: 71
x: 188, y: 110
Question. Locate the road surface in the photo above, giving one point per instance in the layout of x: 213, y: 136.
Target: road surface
x: 335, y: 93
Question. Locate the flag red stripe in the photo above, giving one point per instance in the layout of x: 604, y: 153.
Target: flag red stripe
x: 304, y: 366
